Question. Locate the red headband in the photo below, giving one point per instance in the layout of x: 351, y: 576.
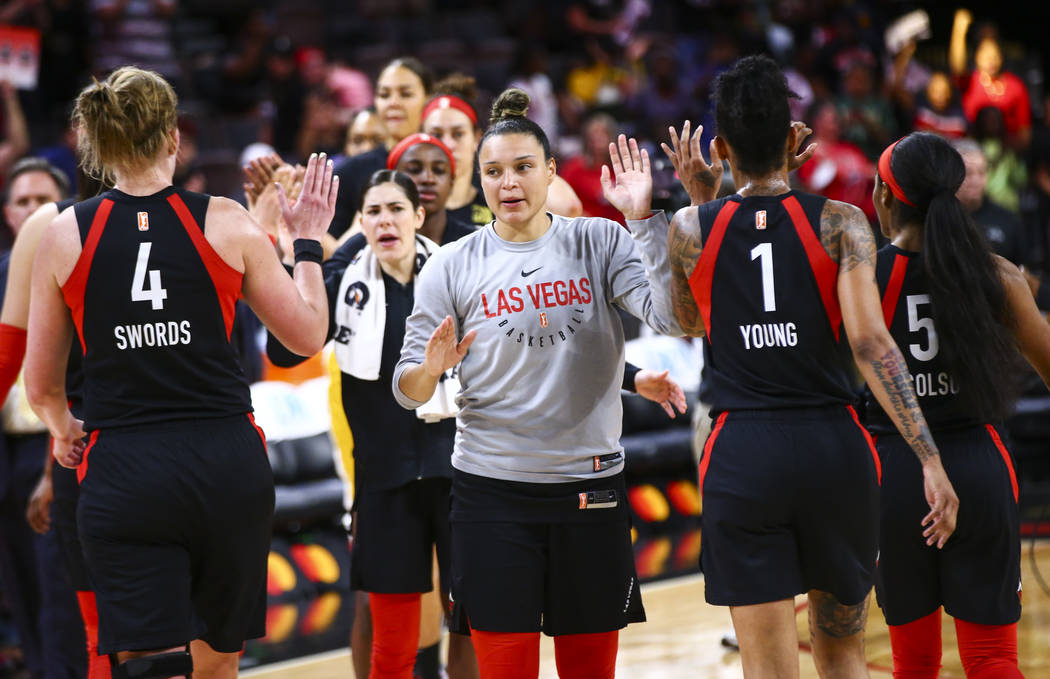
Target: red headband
x: 418, y: 138
x: 886, y: 174
x: 451, y: 101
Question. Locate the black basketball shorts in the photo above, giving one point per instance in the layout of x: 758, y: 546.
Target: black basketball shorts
x: 565, y: 568
x: 395, y: 537
x: 977, y: 575
x: 790, y: 504
x: 175, y: 520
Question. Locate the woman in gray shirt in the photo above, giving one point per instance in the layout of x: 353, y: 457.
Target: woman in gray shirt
x: 540, y: 525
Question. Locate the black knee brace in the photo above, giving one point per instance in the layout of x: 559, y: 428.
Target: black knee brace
x: 158, y: 666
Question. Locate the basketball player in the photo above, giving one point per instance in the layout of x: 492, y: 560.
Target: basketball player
x: 776, y: 280
x: 960, y: 313
x: 540, y: 534
x: 176, y: 491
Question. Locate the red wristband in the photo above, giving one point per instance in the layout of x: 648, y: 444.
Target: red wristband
x: 12, y: 351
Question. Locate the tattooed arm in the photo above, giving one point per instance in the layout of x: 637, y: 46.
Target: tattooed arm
x: 683, y: 250
x: 847, y: 237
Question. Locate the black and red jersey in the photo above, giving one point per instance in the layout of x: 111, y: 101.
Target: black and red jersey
x: 153, y: 306
x: 909, y: 316
x: 766, y: 290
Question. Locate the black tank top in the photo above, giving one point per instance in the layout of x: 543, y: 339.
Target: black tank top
x: 153, y: 306
x: 906, y: 308
x: 766, y: 290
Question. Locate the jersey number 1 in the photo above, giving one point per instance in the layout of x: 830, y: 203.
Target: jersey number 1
x: 764, y: 251
x: 154, y: 294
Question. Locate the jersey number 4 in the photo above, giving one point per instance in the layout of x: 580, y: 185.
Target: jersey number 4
x: 154, y: 294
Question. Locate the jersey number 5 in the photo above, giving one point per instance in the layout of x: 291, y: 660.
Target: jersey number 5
x: 915, y: 324
x: 154, y: 294
x: 764, y: 251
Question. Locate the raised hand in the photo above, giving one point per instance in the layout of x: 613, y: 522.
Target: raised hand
x: 796, y: 159
x: 258, y: 174
x: 700, y: 180
x: 309, y: 215
x: 443, y: 351
x: 660, y: 388
x: 630, y: 187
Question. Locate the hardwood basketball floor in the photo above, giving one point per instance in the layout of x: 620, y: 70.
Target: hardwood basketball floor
x: 683, y: 638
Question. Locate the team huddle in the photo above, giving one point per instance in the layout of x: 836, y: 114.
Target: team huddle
x: 481, y: 375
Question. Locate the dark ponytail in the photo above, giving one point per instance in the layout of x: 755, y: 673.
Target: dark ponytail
x: 967, y: 296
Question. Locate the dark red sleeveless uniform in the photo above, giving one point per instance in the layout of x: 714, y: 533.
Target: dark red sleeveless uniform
x: 176, y: 495
x: 977, y: 575
x: 788, y: 475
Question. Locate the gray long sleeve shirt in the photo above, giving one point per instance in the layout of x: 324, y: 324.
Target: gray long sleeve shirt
x: 540, y: 395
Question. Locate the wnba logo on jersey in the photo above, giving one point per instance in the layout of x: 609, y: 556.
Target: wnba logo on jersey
x: 760, y: 220
x: 143, y: 221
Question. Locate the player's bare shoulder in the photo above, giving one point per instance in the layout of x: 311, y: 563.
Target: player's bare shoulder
x: 230, y: 230
x: 846, y: 235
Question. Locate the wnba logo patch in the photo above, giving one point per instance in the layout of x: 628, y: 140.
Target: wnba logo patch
x: 143, y: 221
x: 760, y: 220
x: 543, y: 319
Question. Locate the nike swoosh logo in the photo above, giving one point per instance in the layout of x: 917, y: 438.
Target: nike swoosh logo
x: 526, y: 274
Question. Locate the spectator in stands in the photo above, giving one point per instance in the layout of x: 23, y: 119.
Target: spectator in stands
x: 32, y: 183
x: 401, y: 90
x: 365, y: 132
x: 839, y: 169
x: 1007, y: 173
x: 584, y: 171
x: 988, y: 84
x: 1001, y: 227
x: 286, y: 93
x: 530, y: 73
x: 135, y: 32
x: 867, y: 117
x: 664, y: 99
x: 15, y: 140
x: 938, y: 109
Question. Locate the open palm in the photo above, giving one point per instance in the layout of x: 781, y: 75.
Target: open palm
x: 629, y: 188
x: 443, y: 350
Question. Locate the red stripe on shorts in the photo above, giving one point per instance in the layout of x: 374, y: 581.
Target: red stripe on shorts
x: 871, y: 444
x: 708, y: 447
x: 1006, y: 457
x: 251, y: 418
x: 83, y: 466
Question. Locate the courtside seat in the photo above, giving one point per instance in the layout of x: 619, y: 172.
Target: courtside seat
x: 296, y: 424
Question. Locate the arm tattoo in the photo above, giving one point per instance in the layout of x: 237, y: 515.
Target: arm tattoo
x: 836, y: 620
x: 683, y: 250
x: 892, y: 373
x: 846, y: 235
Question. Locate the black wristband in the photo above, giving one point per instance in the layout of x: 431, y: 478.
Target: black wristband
x: 307, y: 250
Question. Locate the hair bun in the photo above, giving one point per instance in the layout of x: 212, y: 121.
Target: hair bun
x: 512, y: 103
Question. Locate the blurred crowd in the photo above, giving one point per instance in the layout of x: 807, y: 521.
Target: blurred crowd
x: 279, y: 79
x: 291, y: 77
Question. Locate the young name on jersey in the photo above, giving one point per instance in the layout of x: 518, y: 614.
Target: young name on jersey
x: 767, y: 335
